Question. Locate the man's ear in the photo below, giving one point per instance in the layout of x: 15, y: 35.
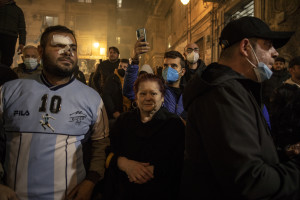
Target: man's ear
x: 291, y: 70
x: 183, y: 71
x: 244, y: 47
x: 40, y: 50
x: 22, y: 58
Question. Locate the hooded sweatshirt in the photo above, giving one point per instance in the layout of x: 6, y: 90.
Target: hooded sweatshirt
x: 229, y: 151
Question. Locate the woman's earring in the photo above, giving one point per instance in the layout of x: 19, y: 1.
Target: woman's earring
x: 134, y: 105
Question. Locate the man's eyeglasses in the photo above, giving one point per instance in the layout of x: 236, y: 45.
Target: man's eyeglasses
x: 190, y: 50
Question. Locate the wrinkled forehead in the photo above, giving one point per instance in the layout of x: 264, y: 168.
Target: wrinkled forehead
x: 62, y: 38
x: 30, y: 51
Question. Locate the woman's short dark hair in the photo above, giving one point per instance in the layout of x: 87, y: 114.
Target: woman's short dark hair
x: 149, y: 77
x: 124, y: 60
x: 51, y: 29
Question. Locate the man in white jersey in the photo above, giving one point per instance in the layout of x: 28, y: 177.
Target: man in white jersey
x: 44, y: 158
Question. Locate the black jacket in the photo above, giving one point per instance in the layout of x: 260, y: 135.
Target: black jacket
x: 159, y: 142
x: 112, y: 95
x: 190, y: 73
x: 103, y: 71
x: 268, y: 86
x: 12, y: 22
x: 230, y: 153
x: 285, y: 108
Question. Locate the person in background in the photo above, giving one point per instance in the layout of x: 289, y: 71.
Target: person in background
x: 194, y: 65
x: 114, y: 101
x: 12, y: 26
x: 146, y: 69
x: 174, y: 69
x: 229, y: 150
x: 105, y: 69
x: 285, y: 108
x: 31, y: 62
x: 147, y: 147
x: 280, y: 74
x: 294, y: 69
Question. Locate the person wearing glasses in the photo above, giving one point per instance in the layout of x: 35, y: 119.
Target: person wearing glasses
x: 194, y: 65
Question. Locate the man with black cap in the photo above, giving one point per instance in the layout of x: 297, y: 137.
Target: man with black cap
x: 230, y: 153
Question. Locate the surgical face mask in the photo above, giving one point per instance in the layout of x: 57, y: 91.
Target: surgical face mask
x: 192, y: 57
x: 261, y: 71
x: 170, y: 75
x: 121, y: 72
x: 30, y: 63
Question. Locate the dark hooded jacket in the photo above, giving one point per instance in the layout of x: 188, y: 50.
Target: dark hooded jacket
x: 229, y: 152
x: 190, y: 73
x: 276, y: 80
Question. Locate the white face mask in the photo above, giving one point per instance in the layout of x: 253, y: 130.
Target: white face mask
x: 192, y: 57
x: 30, y: 63
x: 262, y: 71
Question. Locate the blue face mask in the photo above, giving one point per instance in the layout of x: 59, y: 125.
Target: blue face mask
x: 170, y: 75
x: 262, y: 71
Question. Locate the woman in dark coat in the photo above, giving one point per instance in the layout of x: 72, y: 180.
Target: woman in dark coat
x: 147, y: 147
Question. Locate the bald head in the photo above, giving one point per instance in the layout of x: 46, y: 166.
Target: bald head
x: 189, y: 48
x: 30, y: 51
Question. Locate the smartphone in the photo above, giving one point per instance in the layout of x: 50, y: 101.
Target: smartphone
x: 141, y: 32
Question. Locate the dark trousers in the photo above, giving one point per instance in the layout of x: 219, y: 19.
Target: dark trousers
x: 7, y: 49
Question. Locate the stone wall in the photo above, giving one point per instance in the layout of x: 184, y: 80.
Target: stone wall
x: 201, y: 22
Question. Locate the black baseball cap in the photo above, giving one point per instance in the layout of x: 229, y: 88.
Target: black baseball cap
x: 251, y: 27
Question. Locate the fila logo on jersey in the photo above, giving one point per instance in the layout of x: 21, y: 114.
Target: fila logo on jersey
x: 21, y: 113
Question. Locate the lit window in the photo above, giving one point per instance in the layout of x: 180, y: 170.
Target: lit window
x: 119, y: 3
x: 246, y: 10
x: 50, y: 21
x: 85, y: 1
x: 118, y: 39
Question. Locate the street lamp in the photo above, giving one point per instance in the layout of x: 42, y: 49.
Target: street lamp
x: 96, y: 45
x: 184, y: 2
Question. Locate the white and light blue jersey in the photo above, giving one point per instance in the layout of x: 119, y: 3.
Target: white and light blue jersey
x: 44, y: 127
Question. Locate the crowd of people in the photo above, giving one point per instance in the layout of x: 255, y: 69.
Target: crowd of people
x: 229, y: 130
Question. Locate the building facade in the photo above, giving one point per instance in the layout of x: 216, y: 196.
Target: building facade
x: 172, y: 25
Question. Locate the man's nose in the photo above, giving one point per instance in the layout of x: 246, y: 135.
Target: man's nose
x: 274, y: 53
x: 148, y: 96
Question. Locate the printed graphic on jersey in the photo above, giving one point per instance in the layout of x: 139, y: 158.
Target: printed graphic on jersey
x: 55, y: 104
x: 45, y: 121
x: 77, y: 117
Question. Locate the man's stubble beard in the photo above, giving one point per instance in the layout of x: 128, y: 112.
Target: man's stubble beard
x: 54, y: 69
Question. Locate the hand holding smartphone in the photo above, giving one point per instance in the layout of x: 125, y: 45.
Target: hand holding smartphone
x: 141, y: 45
x: 141, y: 33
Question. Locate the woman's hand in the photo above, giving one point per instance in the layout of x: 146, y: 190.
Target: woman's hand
x: 137, y: 172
